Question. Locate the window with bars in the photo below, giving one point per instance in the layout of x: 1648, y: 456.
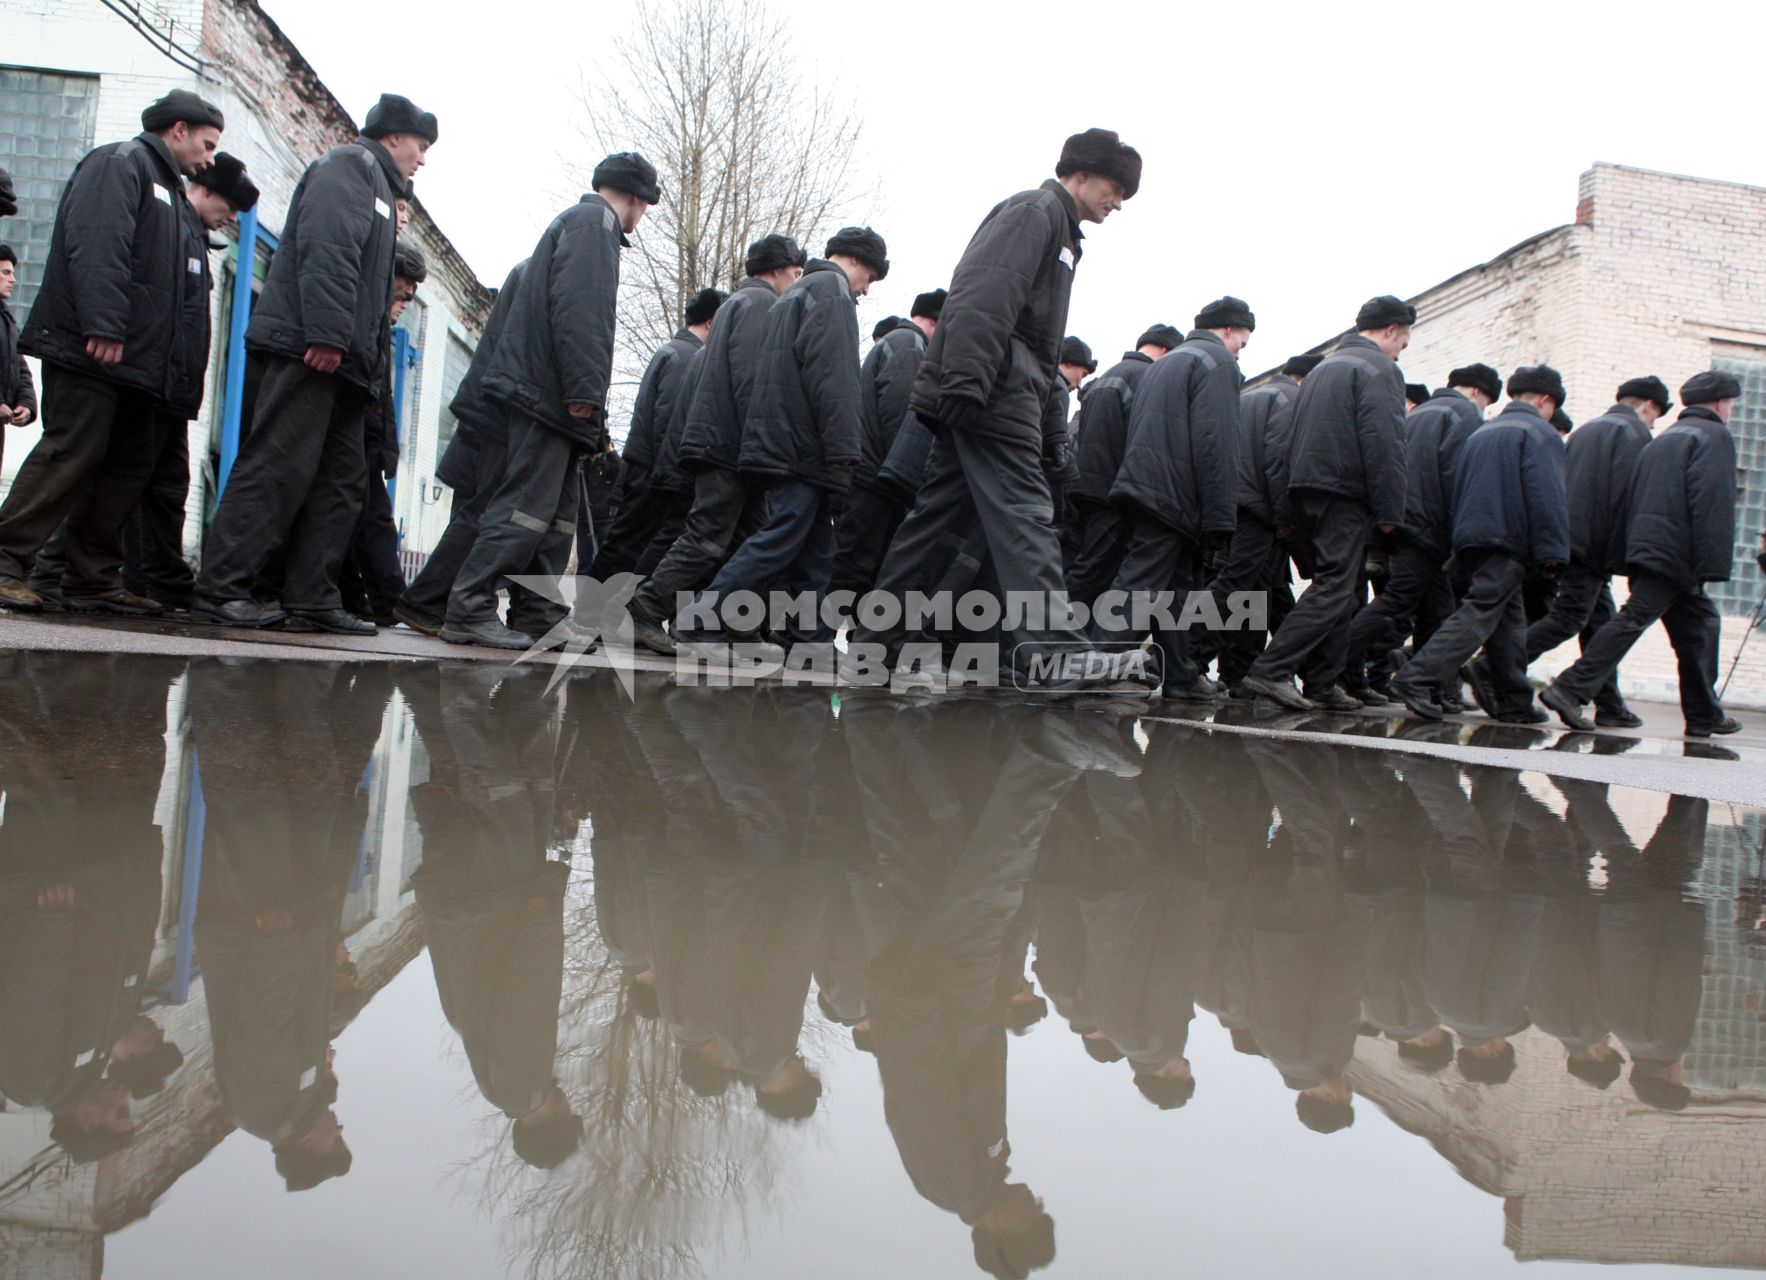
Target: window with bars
x: 51, y: 116
x: 416, y: 315
x: 1748, y: 426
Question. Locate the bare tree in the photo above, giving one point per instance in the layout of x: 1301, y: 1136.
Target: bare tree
x: 710, y: 92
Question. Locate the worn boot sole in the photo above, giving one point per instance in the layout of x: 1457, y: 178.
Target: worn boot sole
x: 101, y: 604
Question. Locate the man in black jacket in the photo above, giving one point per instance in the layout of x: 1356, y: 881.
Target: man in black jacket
x: 724, y: 508
x: 1600, y: 461
x: 550, y: 372
x: 147, y: 559
x: 321, y: 328
x: 472, y: 460
x: 875, y: 508
x: 18, y: 393
x: 802, y: 436
x: 1343, y: 478
x: 1680, y: 535
x: 1102, y: 428
x: 1417, y: 591
x: 985, y: 383
x: 642, y: 509
x: 372, y: 580
x: 109, y: 326
x: 1509, y: 517
x: 1255, y: 559
x: 1177, y: 487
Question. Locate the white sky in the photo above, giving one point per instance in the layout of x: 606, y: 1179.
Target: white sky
x: 1301, y: 156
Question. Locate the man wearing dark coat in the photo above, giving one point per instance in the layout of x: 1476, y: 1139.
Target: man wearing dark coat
x: 1177, y: 486
x: 1680, y: 535
x: 1417, y: 594
x: 1100, y: 533
x: 1509, y: 517
x: 550, y: 374
x: 641, y: 507
x: 802, y: 436
x: 1256, y: 560
x: 110, y: 325
x: 724, y: 507
x: 18, y: 392
x: 471, y: 463
x: 1599, y: 463
x: 985, y: 382
x: 321, y: 327
x: 1342, y: 478
x: 875, y: 508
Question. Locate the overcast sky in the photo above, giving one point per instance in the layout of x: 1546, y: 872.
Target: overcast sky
x: 1303, y: 157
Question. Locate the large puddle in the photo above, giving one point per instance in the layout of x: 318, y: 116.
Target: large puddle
x: 384, y: 971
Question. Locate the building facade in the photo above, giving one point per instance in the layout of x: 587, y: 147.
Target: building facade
x: 74, y: 74
x: 1659, y: 273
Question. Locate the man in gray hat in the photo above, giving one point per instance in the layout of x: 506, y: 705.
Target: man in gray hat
x: 321, y: 329
x: 1680, y: 535
x: 116, y: 293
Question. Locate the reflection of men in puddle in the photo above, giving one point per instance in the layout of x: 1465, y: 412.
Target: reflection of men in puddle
x: 281, y: 749
x: 735, y: 905
x: 1307, y: 946
x: 80, y: 890
x: 957, y: 797
x: 492, y: 900
x: 1564, y: 993
x: 1651, y: 945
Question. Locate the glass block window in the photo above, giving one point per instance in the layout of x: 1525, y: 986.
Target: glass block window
x: 454, y: 365
x: 1748, y: 425
x: 50, y: 117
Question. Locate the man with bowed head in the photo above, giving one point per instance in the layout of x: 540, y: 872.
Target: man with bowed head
x: 551, y: 370
x: 321, y: 326
x: 985, y: 383
x: 1343, y: 480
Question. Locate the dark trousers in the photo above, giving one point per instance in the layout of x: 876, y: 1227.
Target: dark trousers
x: 100, y: 442
x: 1100, y: 539
x: 1492, y: 615
x: 1694, y: 627
x: 641, y: 513
x: 793, y: 551
x: 373, y: 579
x: 152, y: 536
x: 1255, y: 560
x: 299, y: 482
x: 427, y: 595
x: 675, y: 507
x: 726, y: 509
x: 1417, y: 597
x: 1158, y: 559
x: 992, y: 486
x: 528, y: 525
x: 861, y: 539
x: 1582, y: 605
x: 1314, y: 638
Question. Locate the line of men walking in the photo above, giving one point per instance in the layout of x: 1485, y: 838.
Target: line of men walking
x: 764, y: 456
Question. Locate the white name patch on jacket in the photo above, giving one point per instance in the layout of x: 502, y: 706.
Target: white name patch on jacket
x: 381, y: 208
x: 161, y: 194
x: 1067, y: 257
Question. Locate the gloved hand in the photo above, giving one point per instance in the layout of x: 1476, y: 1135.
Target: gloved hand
x: 958, y: 413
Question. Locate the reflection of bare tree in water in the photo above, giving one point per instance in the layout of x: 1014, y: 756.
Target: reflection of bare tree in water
x: 660, y: 1168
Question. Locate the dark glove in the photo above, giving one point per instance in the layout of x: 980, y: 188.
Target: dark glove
x: 1217, y: 541
x: 1550, y: 569
x: 1057, y: 452
x: 958, y: 413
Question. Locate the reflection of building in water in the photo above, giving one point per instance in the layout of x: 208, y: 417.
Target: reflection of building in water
x: 54, y: 1214
x: 1596, y: 1175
